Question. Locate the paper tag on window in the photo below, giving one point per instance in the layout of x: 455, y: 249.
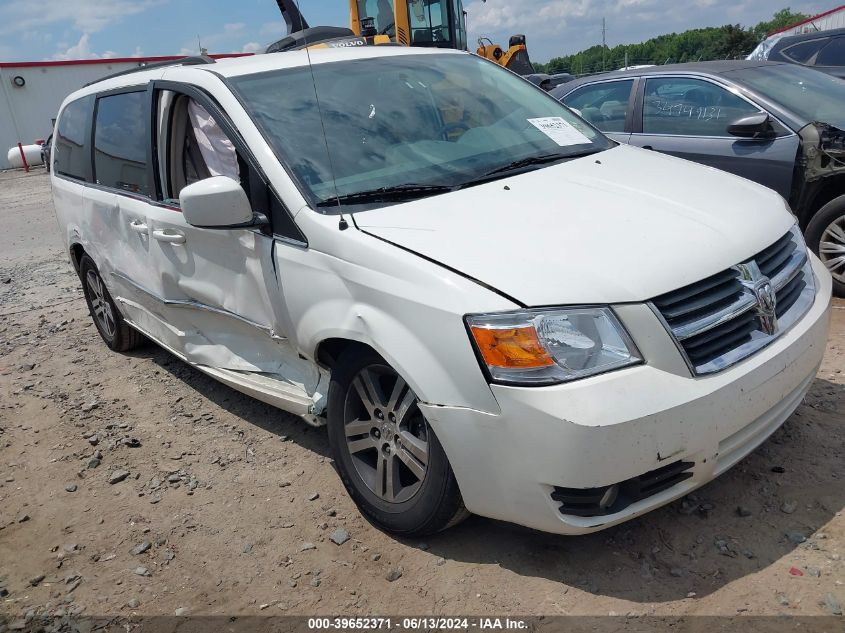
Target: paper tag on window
x: 559, y: 130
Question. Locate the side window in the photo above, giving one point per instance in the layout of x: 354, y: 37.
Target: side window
x: 72, y: 147
x: 192, y: 146
x: 120, y: 142
x: 604, y: 104
x: 690, y: 107
x: 803, y: 52
x: 833, y: 54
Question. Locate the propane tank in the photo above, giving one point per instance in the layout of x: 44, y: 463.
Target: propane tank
x: 32, y: 153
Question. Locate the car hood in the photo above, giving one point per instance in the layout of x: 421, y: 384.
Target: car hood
x: 623, y: 225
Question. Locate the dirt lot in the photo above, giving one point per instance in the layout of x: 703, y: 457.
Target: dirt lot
x: 227, y: 505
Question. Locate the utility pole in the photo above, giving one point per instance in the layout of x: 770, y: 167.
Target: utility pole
x: 603, y: 42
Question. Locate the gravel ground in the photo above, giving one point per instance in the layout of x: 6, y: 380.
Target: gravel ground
x: 135, y: 484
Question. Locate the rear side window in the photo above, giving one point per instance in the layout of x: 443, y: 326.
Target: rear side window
x: 604, y: 105
x: 690, y: 107
x: 120, y: 142
x: 803, y: 52
x: 72, y: 147
x: 833, y: 54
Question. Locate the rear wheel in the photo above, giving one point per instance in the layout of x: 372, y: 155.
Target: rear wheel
x: 110, y: 324
x: 826, y: 237
x: 389, y: 459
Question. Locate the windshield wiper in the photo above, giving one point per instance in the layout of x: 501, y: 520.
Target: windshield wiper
x: 387, y: 194
x: 526, y: 162
x: 522, y: 164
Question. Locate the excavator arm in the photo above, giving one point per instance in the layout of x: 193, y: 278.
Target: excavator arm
x: 294, y: 20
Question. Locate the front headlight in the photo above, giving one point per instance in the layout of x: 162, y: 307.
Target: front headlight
x: 546, y: 346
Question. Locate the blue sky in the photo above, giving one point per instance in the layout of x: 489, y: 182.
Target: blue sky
x: 75, y: 29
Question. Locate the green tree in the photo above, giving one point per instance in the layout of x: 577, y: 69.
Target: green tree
x: 731, y: 41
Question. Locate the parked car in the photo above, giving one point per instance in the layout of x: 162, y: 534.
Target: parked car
x: 548, y: 82
x: 824, y: 51
x: 46, y: 148
x: 492, y: 306
x: 780, y: 125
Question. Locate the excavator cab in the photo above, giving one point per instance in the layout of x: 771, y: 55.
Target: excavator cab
x: 438, y: 23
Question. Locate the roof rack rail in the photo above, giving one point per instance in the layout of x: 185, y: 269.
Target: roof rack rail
x: 195, y: 60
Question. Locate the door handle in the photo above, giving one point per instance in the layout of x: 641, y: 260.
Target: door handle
x: 648, y: 147
x: 139, y: 227
x: 171, y: 237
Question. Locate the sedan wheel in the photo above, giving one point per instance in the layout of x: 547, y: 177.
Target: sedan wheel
x: 832, y: 248
x: 825, y: 234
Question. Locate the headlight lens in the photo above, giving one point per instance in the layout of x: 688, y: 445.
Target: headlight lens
x: 540, y: 347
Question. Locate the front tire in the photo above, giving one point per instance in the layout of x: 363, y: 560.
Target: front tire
x: 826, y: 237
x: 386, y: 454
x: 110, y: 324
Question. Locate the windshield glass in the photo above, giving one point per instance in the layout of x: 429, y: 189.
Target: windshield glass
x: 424, y: 120
x: 808, y: 93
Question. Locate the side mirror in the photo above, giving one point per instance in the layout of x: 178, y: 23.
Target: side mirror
x: 757, y: 126
x: 217, y: 202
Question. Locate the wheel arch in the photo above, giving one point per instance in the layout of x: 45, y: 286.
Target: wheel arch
x: 829, y: 189
x: 76, y: 251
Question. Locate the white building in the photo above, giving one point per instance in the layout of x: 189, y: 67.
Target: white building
x: 31, y: 93
x: 833, y: 19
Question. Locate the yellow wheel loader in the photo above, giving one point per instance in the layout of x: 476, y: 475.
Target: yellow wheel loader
x: 437, y: 23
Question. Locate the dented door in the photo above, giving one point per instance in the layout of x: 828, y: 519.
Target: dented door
x: 215, y: 286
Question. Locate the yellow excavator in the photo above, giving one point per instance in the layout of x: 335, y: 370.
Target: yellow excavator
x: 430, y: 23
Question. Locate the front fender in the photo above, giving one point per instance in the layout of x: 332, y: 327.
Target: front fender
x: 408, y: 309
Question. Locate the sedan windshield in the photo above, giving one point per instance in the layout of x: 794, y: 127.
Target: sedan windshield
x: 399, y: 127
x: 810, y: 94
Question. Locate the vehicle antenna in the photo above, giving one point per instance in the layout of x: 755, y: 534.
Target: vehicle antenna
x: 342, y: 223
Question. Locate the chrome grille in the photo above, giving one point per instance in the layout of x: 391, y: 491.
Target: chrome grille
x: 724, y: 318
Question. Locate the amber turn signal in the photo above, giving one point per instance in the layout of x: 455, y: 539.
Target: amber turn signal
x: 511, y: 347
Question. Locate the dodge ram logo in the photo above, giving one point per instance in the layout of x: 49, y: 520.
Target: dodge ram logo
x: 760, y: 286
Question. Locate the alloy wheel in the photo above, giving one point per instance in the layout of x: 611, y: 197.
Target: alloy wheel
x: 386, y: 435
x: 832, y: 248
x: 100, y: 305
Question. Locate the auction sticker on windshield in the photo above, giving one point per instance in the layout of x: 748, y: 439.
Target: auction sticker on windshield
x: 559, y: 130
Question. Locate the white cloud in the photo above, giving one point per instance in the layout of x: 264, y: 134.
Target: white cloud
x: 88, y: 16
x: 252, y: 47
x: 235, y: 27
x: 82, y: 50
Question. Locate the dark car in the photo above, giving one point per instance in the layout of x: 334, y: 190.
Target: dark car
x: 46, y: 149
x: 823, y: 51
x: 549, y: 82
x: 781, y: 125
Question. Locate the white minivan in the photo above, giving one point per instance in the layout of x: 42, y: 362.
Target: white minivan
x: 493, y: 307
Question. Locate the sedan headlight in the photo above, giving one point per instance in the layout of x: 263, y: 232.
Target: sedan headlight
x: 546, y: 346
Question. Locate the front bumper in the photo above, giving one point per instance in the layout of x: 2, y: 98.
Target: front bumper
x: 620, y: 425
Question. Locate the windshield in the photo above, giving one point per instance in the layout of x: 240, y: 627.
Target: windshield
x: 430, y: 121
x: 810, y: 94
